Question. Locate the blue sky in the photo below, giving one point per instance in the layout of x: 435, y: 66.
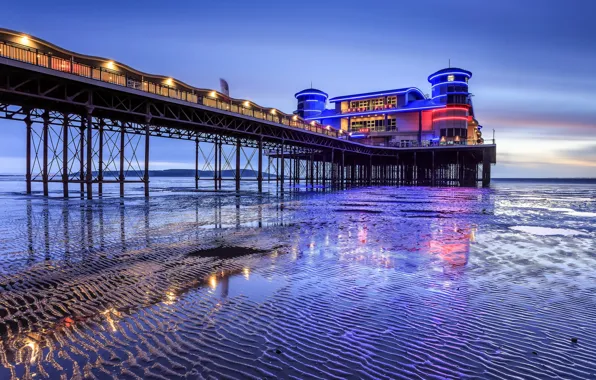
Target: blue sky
x: 533, y: 61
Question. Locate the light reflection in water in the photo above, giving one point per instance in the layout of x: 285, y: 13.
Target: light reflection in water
x: 377, y: 270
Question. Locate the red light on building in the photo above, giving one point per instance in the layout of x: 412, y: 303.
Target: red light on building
x: 447, y: 118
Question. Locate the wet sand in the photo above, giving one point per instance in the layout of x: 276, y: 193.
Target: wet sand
x: 367, y: 283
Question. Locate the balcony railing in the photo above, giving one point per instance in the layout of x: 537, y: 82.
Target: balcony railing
x: 35, y: 57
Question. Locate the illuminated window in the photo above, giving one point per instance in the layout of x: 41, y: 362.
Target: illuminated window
x: 466, y: 79
x: 392, y: 100
x: 391, y: 124
x: 450, y: 78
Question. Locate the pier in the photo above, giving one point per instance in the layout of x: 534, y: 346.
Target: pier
x: 90, y: 122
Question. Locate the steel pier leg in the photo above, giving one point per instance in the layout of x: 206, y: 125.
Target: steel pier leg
x: 312, y: 171
x: 269, y: 167
x: 28, y: 123
x: 46, y: 127
x: 282, y: 168
x: 370, y: 166
x: 342, y: 173
x: 485, y: 169
x: 82, y: 157
x: 146, y: 174
x: 197, y: 164
x: 333, y: 174
x: 238, y: 169
x: 323, y: 171
x: 434, y: 173
x: 220, y: 163
x: 89, y: 179
x: 215, y: 157
x: 122, y: 146
x: 260, y: 164
x: 65, y: 155
x: 100, y: 160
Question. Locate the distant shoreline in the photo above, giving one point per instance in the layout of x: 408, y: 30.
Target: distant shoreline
x: 190, y: 173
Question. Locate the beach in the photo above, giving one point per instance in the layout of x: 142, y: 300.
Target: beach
x: 377, y: 282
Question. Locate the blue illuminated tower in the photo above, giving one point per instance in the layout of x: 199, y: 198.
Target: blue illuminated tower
x: 455, y: 123
x: 450, y: 86
x: 311, y: 102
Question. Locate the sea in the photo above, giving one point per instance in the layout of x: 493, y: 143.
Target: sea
x: 367, y: 283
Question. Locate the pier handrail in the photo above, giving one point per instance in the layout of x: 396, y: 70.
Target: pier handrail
x: 213, y: 99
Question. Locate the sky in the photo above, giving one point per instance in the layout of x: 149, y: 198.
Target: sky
x: 533, y: 61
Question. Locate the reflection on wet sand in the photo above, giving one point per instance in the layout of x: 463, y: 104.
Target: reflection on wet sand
x: 368, y: 283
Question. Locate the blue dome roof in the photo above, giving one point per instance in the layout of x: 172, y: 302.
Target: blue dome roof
x: 450, y: 70
x: 311, y: 91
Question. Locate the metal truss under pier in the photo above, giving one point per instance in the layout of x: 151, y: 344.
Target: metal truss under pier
x: 87, y: 132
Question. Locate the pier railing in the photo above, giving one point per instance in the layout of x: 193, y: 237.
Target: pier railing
x: 39, y: 58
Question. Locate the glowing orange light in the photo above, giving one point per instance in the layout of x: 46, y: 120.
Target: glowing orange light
x: 213, y: 281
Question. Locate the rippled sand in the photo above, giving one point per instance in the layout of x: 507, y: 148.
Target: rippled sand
x: 367, y: 283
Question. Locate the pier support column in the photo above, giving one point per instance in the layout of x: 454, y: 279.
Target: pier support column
x: 342, y: 170
x: 282, y: 168
x: 433, y: 181
x: 461, y: 162
x: 238, y: 168
x: 485, y: 169
x: 324, y: 170
x: 215, y: 156
x: 28, y: 124
x: 370, y: 169
x: 220, y: 163
x: 269, y: 167
x: 89, y: 176
x: 46, y: 127
x: 82, y: 156
x: 260, y: 166
x: 290, y: 172
x: 317, y: 181
x: 100, y: 158
x: 65, y: 155
x: 312, y: 171
x: 146, y: 172
x: 197, y: 147
x: 122, y: 147
x: 333, y: 174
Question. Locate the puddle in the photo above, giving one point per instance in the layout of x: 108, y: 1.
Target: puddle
x: 225, y: 252
x: 545, y: 231
x: 571, y: 212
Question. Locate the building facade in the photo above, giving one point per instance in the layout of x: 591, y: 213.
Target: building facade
x: 402, y: 117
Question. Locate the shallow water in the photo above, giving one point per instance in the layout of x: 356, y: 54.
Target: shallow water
x: 368, y: 283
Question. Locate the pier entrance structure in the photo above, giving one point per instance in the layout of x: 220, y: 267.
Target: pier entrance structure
x: 90, y: 121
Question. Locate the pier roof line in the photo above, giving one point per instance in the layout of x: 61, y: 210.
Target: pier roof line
x: 377, y: 93
x: 116, y: 66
